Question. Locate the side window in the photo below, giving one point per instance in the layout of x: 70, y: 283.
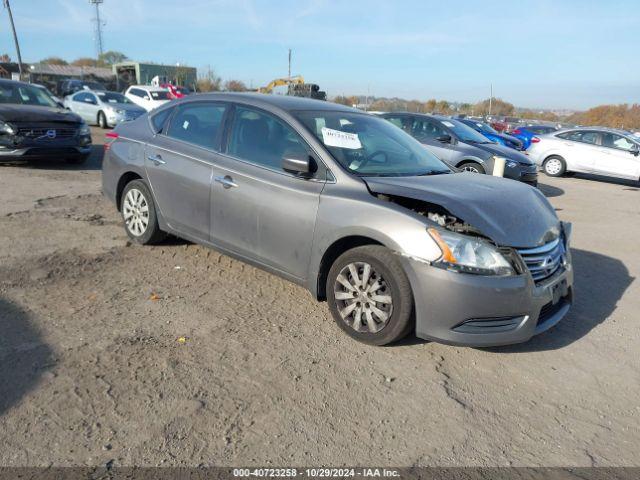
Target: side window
x: 581, y: 136
x: 159, y: 120
x: 91, y: 98
x: 80, y: 97
x: 262, y: 139
x: 198, y: 123
x: 612, y: 140
x: 136, y: 92
x: 401, y: 121
x: 427, y: 130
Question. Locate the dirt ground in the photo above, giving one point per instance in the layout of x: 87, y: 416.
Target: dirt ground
x: 92, y: 370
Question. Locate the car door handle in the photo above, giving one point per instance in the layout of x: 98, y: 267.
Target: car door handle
x: 226, y: 181
x: 157, y: 159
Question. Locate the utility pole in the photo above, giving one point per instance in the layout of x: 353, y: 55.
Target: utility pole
x: 289, y: 77
x: 490, y: 97
x: 98, y: 29
x: 15, y: 36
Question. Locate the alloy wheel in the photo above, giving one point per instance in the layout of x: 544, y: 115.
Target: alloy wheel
x: 135, y: 210
x: 470, y: 168
x: 363, y: 298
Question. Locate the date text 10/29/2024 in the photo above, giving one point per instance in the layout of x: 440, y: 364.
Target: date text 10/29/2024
x: 316, y: 472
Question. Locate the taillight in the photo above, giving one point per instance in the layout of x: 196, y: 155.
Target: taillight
x: 110, y: 138
x: 535, y: 139
x: 517, y: 131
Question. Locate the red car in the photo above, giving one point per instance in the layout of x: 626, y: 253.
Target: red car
x: 176, y: 91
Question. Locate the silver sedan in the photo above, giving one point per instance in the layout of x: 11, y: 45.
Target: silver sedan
x: 106, y: 109
x: 351, y: 207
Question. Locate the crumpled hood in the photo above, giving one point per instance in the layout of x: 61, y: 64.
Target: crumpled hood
x: 33, y: 113
x: 503, y: 151
x: 509, y: 212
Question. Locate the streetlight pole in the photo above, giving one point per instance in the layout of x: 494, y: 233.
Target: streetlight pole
x: 15, y: 36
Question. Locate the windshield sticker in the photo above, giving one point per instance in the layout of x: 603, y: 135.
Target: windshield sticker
x: 337, y: 138
x: 448, y: 124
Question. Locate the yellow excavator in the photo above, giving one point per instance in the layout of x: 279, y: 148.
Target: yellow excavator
x: 297, y: 80
x: 295, y: 87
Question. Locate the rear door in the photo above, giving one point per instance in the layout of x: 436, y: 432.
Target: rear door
x: 258, y: 210
x: 617, y: 157
x: 179, y: 163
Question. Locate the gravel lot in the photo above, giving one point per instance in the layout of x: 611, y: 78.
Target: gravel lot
x: 92, y: 370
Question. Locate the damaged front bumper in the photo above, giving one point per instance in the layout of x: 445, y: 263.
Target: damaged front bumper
x: 482, y: 311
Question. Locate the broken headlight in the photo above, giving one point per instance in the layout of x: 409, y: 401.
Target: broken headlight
x: 466, y: 254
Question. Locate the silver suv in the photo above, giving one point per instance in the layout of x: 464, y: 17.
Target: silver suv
x: 351, y: 207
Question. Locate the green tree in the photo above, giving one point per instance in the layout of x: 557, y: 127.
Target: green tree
x: 111, y: 57
x: 54, y: 61
x: 85, y: 62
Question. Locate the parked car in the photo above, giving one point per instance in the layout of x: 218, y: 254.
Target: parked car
x: 176, y: 91
x: 493, y: 135
x: 147, y: 97
x: 69, y: 87
x: 352, y: 208
x: 33, y: 126
x: 527, y: 133
x: 462, y: 147
x: 105, y: 109
x: 594, y: 150
x: 57, y: 100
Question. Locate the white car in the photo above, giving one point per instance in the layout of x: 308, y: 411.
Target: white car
x: 147, y: 97
x: 597, y: 150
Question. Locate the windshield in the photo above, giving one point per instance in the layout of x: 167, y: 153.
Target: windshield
x: 25, y: 95
x: 486, y: 128
x: 370, y: 146
x: 160, y: 95
x: 113, y: 97
x: 463, y: 132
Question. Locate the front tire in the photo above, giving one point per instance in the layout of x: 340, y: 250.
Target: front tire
x: 102, y: 121
x: 472, y: 167
x: 369, y: 295
x: 554, y: 166
x: 139, y: 214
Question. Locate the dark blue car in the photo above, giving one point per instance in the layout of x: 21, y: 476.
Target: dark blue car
x: 492, y: 134
x: 527, y: 134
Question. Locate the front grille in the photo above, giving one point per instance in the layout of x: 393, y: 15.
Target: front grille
x: 544, y: 261
x: 46, y: 133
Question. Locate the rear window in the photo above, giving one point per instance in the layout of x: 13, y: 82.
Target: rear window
x: 161, y: 95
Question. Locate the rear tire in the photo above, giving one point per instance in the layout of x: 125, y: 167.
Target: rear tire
x: 102, y: 121
x: 554, y: 166
x: 472, y: 167
x: 139, y: 214
x: 376, y: 306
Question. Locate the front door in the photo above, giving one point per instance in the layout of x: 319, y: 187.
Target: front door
x: 180, y: 163
x: 258, y: 210
x: 617, y: 157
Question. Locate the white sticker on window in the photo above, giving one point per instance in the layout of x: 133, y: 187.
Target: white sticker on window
x: 185, y: 124
x: 448, y: 124
x: 337, y: 138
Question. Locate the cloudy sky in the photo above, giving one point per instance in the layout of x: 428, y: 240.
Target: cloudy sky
x: 547, y: 53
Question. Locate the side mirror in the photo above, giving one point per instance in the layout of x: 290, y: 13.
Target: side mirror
x: 635, y: 150
x: 296, y: 163
x: 444, y: 139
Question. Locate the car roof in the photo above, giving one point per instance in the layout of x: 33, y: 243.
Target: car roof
x: 6, y: 81
x: 148, y: 87
x: 596, y: 129
x: 282, y: 102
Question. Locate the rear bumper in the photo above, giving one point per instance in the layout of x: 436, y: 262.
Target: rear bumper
x: 483, y: 311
